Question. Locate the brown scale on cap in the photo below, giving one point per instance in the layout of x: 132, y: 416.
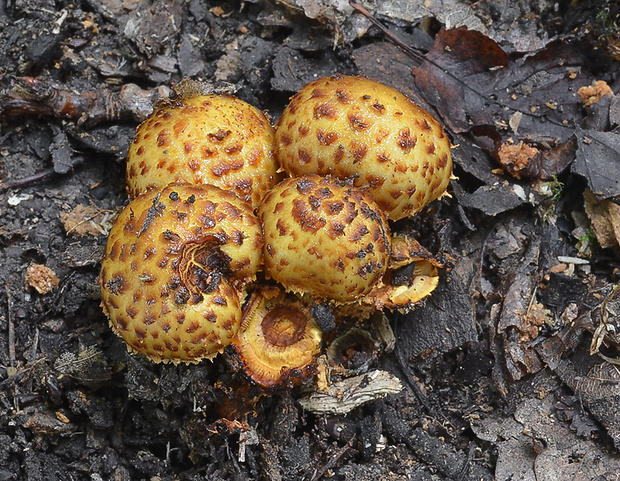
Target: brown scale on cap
x: 205, y: 139
x: 324, y: 237
x: 358, y: 129
x: 175, y: 268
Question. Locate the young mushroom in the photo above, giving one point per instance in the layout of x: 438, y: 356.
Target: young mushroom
x: 204, y: 139
x: 354, y: 347
x: 175, y: 268
x: 411, y: 276
x: 324, y: 237
x: 357, y: 129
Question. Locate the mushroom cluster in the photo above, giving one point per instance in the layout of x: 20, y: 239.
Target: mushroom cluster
x: 237, y: 230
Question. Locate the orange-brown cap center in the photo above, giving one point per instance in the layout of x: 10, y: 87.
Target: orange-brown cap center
x: 284, y: 326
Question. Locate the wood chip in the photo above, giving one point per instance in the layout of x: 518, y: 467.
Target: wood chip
x: 42, y: 278
x: 344, y: 396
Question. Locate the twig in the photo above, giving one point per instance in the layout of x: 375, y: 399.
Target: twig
x: 411, y: 51
x: 9, y: 8
x: 26, y: 181
x: 38, y: 177
x: 37, y: 96
x: 11, y: 324
x: 410, y: 380
x: 333, y: 460
x: 463, y: 474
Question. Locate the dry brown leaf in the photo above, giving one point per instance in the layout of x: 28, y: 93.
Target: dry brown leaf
x: 46, y: 423
x: 535, y: 317
x: 605, y: 220
x: 84, y: 220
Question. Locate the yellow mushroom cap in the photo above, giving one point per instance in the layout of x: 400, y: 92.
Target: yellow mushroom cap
x: 355, y: 128
x: 205, y: 139
x: 174, y: 270
x: 278, y: 340
x: 324, y: 237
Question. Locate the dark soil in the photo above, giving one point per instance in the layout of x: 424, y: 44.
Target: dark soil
x: 498, y: 382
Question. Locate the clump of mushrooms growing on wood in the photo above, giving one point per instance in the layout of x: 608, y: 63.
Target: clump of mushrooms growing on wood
x: 236, y: 229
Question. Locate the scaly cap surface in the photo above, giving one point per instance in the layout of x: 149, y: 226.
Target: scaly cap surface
x: 174, y: 270
x: 358, y: 129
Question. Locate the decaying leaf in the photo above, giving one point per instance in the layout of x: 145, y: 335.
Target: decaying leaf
x: 88, y: 366
x: 518, y: 325
x: 451, y: 13
x: 492, y: 199
x: 608, y: 317
x: 586, y: 371
x: 455, y: 77
x: 63, y: 156
x: 471, y: 80
x: 44, y: 422
x: 86, y: 220
x: 333, y: 11
x: 523, y: 160
x: 396, y: 71
x: 475, y: 85
x: 604, y: 217
x: 598, y: 160
x: 532, y: 444
x: 598, y: 384
x: 338, y: 13
x: 152, y: 25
